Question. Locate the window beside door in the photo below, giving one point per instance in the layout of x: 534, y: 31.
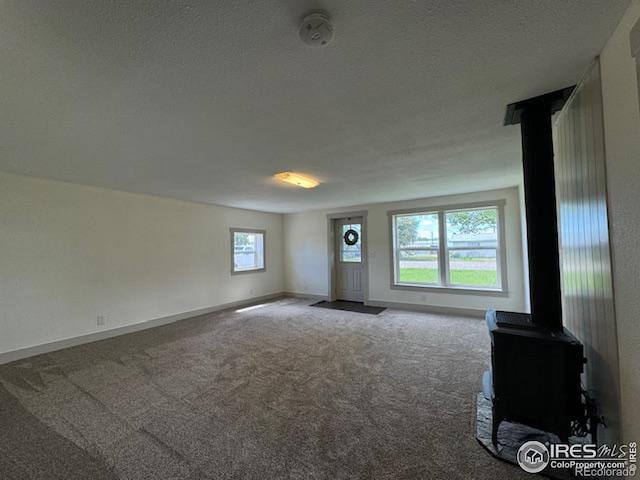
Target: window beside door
x: 247, y: 250
x: 457, y: 248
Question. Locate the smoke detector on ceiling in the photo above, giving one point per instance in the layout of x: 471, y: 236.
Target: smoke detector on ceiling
x: 316, y: 29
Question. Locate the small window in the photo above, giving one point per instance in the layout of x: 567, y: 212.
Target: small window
x: 248, y: 250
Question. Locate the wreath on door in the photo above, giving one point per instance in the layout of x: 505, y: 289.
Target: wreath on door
x: 351, y: 237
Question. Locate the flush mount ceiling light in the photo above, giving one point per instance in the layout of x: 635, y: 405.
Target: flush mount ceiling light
x: 297, y: 179
x: 316, y: 29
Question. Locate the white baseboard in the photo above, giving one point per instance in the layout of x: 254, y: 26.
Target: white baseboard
x: 48, y: 347
x: 464, y: 312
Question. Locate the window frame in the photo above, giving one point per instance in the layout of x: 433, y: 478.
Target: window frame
x: 340, y: 236
x: 232, y: 232
x: 444, y: 285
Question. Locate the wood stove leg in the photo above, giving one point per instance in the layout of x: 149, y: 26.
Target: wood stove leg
x: 495, y: 425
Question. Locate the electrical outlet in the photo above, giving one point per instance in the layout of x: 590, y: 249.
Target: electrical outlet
x: 252, y: 291
x: 100, y: 321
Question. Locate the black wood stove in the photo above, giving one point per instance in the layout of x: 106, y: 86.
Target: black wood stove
x: 535, y: 362
x: 535, y: 375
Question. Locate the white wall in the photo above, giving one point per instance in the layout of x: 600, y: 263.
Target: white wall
x: 622, y: 142
x: 71, y: 253
x: 306, y: 254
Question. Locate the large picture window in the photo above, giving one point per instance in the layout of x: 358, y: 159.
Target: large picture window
x: 248, y: 250
x: 457, y: 248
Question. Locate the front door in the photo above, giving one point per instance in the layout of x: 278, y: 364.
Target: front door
x: 350, y: 262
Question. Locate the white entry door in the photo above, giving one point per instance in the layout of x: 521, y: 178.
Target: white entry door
x: 350, y: 262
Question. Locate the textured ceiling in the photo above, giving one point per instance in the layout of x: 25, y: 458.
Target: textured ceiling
x: 205, y: 100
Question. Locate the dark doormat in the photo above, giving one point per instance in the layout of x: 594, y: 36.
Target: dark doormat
x: 357, y: 307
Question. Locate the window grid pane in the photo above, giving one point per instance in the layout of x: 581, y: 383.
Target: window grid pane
x: 472, y: 228
x: 419, y: 231
x: 418, y: 266
x: 417, y: 238
x: 473, y: 268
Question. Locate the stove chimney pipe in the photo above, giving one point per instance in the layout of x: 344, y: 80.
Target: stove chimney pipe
x: 534, y: 117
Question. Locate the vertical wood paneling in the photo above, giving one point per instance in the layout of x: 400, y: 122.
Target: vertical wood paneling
x: 585, y: 258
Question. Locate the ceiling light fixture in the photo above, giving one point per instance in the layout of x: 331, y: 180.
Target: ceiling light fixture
x: 297, y: 179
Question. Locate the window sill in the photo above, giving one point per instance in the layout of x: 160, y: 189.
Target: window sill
x: 253, y: 270
x: 489, y: 292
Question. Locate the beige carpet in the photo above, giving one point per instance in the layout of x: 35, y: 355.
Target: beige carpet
x: 280, y: 391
